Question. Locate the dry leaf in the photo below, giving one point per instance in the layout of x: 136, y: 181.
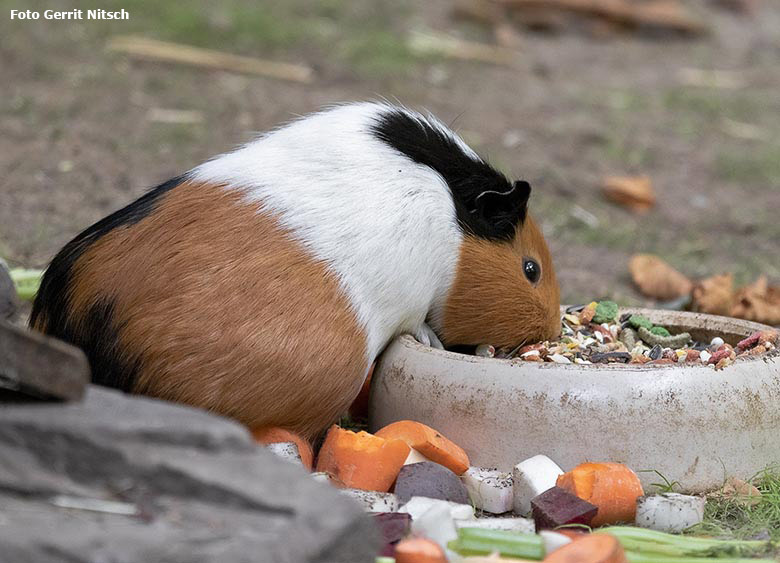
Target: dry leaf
x: 758, y: 302
x: 655, y: 278
x: 739, y: 490
x: 714, y: 295
x: 634, y: 192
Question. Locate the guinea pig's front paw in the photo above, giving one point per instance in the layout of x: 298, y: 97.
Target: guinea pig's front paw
x: 425, y: 335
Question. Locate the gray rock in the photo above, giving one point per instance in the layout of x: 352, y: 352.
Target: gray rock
x: 201, y: 488
x: 40, y: 366
x: 9, y: 302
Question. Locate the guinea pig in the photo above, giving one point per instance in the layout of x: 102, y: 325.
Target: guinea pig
x: 263, y: 284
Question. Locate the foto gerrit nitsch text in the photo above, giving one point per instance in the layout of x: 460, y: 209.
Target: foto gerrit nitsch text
x: 97, y: 14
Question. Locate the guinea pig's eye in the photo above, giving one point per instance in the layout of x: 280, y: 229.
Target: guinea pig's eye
x: 531, y: 270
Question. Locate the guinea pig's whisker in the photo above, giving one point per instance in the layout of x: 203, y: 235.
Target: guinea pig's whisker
x: 516, y: 348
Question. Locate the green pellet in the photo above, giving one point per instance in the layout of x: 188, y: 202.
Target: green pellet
x: 606, y: 312
x: 638, y: 321
x: 660, y: 331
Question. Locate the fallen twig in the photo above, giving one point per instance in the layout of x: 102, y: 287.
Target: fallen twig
x: 659, y: 13
x: 175, y: 116
x: 746, y: 131
x: 207, y: 58
x: 719, y: 79
x: 452, y: 47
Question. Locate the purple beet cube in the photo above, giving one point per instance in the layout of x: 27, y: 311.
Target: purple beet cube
x: 393, y: 527
x: 557, y: 507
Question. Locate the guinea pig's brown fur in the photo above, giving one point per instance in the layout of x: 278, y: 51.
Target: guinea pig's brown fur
x: 490, y: 303
x: 216, y: 274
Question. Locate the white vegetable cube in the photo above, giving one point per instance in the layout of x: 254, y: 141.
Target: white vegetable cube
x: 419, y: 505
x: 373, y: 501
x: 530, y: 478
x: 436, y: 524
x: 489, y: 489
x: 521, y: 525
x: 669, y: 512
x: 288, y: 451
x: 415, y: 457
x: 553, y: 540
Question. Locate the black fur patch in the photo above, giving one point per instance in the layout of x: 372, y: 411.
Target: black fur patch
x: 109, y: 364
x: 486, y: 203
x: 52, y: 304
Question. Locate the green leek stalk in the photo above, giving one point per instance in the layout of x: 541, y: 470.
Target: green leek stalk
x: 641, y: 546
x: 646, y: 544
x: 481, y: 541
x: 634, y: 557
x: 27, y: 282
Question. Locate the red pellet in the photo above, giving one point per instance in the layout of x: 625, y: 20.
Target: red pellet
x: 719, y: 355
x: 750, y: 341
x: 692, y: 356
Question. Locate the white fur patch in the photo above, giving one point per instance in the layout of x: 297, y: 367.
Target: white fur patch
x: 384, y: 224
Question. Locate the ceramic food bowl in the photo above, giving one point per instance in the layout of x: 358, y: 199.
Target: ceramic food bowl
x: 689, y: 422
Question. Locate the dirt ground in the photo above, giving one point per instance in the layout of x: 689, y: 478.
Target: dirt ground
x: 82, y: 132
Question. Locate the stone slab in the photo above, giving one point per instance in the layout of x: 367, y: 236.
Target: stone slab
x: 9, y: 302
x: 201, y: 488
x: 40, y: 366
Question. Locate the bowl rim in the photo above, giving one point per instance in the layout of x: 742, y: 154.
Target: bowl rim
x: 409, y: 342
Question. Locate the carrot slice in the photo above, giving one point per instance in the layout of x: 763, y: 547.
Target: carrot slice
x: 429, y: 443
x: 612, y: 487
x: 361, y: 460
x: 275, y: 434
x: 419, y: 550
x: 592, y: 548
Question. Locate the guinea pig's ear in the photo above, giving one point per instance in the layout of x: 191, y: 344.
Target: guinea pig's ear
x: 504, y: 209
